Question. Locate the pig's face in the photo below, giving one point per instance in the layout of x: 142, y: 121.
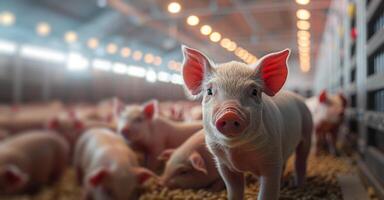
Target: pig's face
x: 232, y: 92
x: 183, y: 171
x: 134, y: 121
x: 115, y: 184
x: 12, y: 179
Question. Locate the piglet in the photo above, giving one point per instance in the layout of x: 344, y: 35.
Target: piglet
x: 107, y: 167
x: 191, y: 166
x: 30, y: 160
x: 144, y: 129
x: 248, y: 126
x: 328, y: 114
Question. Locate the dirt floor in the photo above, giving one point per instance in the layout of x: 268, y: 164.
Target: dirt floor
x: 321, y: 184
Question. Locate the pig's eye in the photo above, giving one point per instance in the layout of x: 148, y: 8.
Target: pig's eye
x: 255, y: 92
x: 209, y: 91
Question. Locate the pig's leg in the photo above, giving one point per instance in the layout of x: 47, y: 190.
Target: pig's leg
x: 217, y: 185
x: 234, y: 182
x: 332, y: 141
x: 302, y: 152
x: 270, y: 183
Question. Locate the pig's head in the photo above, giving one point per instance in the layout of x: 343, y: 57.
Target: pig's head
x: 113, y: 183
x: 232, y: 92
x: 12, y: 179
x: 183, y: 170
x: 133, y: 122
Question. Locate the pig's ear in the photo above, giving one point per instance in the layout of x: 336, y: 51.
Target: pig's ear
x: 14, y: 176
x: 150, y: 109
x: 142, y: 174
x: 166, y: 154
x: 118, y: 107
x: 323, y: 96
x: 196, y: 67
x: 198, y: 162
x: 273, y: 70
x: 97, y: 177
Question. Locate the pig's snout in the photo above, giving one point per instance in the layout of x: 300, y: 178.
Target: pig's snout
x: 231, y: 122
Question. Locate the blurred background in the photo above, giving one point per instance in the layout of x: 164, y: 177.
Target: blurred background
x: 86, y: 50
x: 77, y: 51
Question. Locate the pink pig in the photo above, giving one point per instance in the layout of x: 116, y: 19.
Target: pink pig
x: 31, y: 159
x: 146, y: 130
x: 191, y: 166
x: 328, y: 114
x: 249, y: 127
x: 108, y: 167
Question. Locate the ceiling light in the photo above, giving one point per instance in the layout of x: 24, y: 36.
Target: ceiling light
x: 125, y: 52
x: 225, y: 42
x: 206, y: 30
x: 7, y: 18
x: 303, y: 34
x: 302, y: 2
x: 303, y: 14
x: 303, y: 25
x: 70, y: 36
x: 149, y: 58
x: 232, y: 46
x: 93, y: 43
x: 174, y: 7
x: 193, y: 20
x: 112, y: 48
x: 157, y: 61
x: 43, y: 29
x: 137, y: 55
x: 215, y: 37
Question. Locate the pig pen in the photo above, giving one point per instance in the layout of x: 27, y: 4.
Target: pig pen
x: 322, y: 183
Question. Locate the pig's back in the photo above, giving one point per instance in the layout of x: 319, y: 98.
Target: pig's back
x: 295, y: 118
x: 100, y: 145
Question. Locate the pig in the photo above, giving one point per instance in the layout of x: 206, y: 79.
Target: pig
x: 328, y: 114
x: 72, y: 126
x: 191, y: 166
x: 30, y: 160
x: 108, y: 167
x: 150, y: 133
x: 249, y: 126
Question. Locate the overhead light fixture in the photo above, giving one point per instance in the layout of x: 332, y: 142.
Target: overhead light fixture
x: 215, y: 37
x: 125, y: 52
x: 303, y: 25
x: 76, y: 62
x: 93, y: 43
x: 41, y: 53
x: 303, y: 14
x: 157, y: 61
x: 305, y: 34
x: 137, y: 55
x: 151, y: 76
x: 177, y: 79
x: 302, y: 2
x: 7, y: 18
x: 112, y: 48
x: 136, y: 71
x: 43, y: 29
x: 225, y: 42
x: 174, y: 7
x: 163, y: 76
x: 149, y: 58
x: 101, y: 64
x: 205, y: 30
x: 70, y: 36
x: 193, y: 20
x: 232, y: 46
x: 120, y: 68
x: 7, y: 47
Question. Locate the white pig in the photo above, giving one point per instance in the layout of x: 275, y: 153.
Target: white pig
x: 108, y: 167
x: 249, y: 127
x: 31, y: 159
x: 328, y: 114
x: 146, y: 130
x: 191, y: 166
